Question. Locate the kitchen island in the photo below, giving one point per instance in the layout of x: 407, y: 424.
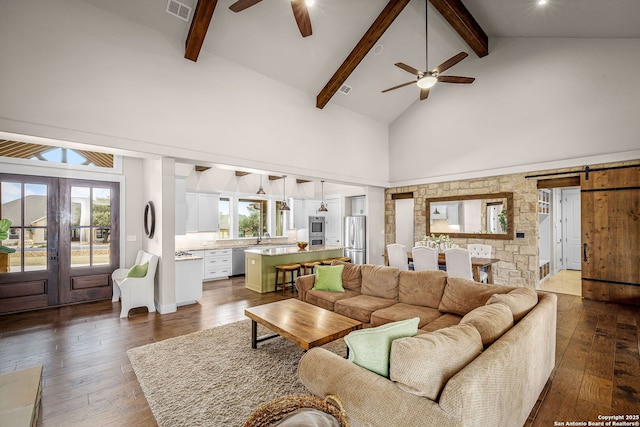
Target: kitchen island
x: 260, y: 271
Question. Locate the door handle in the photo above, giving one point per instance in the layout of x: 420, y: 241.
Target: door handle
x: 584, y: 252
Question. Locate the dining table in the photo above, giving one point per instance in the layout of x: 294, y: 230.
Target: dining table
x: 477, y: 264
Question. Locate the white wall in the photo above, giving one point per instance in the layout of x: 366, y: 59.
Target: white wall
x: 533, y: 101
x: 158, y: 187
x: 75, y: 72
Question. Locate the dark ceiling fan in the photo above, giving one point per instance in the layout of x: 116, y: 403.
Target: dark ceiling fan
x: 300, y: 12
x: 426, y: 79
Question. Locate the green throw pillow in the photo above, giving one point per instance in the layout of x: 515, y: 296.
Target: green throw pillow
x: 370, y: 348
x: 329, y: 278
x: 138, y: 270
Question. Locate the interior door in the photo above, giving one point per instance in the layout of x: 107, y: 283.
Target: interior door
x: 610, y: 235
x: 89, y: 239
x: 31, y: 278
x: 571, y: 228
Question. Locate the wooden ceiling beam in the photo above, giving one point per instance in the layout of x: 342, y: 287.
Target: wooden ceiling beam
x: 459, y: 17
x: 199, y: 26
x: 302, y: 181
x: 274, y: 177
x: 240, y: 173
x: 377, y: 29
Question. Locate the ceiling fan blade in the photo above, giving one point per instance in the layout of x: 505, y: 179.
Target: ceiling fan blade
x: 399, y: 86
x: 455, y: 79
x: 450, y: 62
x: 424, y: 94
x: 241, y: 5
x: 301, y: 14
x: 408, y: 69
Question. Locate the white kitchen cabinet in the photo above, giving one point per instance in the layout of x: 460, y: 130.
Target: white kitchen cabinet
x: 217, y: 264
x: 208, y: 212
x: 333, y: 235
x: 188, y: 282
x: 358, y: 205
x: 191, y: 220
x: 202, y: 212
x: 299, y: 216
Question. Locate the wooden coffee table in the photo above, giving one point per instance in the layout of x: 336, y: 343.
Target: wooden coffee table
x: 302, y: 323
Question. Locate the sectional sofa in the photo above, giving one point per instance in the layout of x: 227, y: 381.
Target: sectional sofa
x: 482, y: 355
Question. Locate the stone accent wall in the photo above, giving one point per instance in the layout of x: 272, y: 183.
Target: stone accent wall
x: 519, y: 261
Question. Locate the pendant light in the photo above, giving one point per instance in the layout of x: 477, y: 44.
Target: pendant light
x: 284, y: 206
x: 323, y: 206
x: 260, y: 190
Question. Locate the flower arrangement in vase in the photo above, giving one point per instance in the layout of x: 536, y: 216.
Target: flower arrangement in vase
x: 441, y: 243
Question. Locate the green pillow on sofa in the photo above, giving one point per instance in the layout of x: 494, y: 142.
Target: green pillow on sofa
x: 329, y: 278
x: 370, y: 347
x: 138, y: 271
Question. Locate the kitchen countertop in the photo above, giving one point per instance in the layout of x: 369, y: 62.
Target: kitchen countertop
x: 188, y: 258
x: 290, y: 250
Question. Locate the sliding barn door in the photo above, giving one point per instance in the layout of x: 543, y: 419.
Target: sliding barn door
x: 611, y: 235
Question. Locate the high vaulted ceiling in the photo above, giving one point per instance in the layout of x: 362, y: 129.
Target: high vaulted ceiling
x: 265, y: 38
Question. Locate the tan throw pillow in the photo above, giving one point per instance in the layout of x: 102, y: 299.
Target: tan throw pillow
x: 461, y: 295
x: 351, y: 275
x: 490, y: 320
x: 519, y: 300
x: 423, y: 364
x: 380, y: 281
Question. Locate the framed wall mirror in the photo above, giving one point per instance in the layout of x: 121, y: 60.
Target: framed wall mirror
x: 482, y: 216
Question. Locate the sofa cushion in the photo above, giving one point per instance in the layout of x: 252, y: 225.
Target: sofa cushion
x: 360, y: 307
x: 327, y: 299
x: 402, y: 311
x: 442, y: 322
x: 461, y: 296
x: 423, y: 288
x: 329, y: 278
x: 423, y: 364
x: 370, y: 347
x: 490, y: 320
x: 380, y: 281
x: 351, y: 275
x: 519, y: 300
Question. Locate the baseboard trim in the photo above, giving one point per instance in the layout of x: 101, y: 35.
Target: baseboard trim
x: 166, y: 308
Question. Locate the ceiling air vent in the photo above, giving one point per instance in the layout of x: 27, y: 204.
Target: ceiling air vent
x: 178, y: 9
x: 345, y: 89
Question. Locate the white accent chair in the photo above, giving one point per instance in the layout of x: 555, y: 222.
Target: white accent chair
x: 478, y: 250
x: 458, y: 263
x: 135, y: 292
x: 398, y: 257
x: 424, y: 258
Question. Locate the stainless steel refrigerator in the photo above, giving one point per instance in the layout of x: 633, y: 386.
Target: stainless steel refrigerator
x: 355, y: 238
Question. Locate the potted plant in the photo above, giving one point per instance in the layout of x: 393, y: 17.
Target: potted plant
x: 502, y: 217
x: 5, y: 224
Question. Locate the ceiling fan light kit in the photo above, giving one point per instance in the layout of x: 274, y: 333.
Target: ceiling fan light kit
x: 427, y: 79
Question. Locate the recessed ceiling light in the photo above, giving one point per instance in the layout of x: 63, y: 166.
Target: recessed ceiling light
x: 542, y: 2
x: 378, y: 49
x: 309, y: 3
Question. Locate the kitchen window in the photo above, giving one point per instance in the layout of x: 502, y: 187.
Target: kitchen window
x: 224, y: 218
x: 252, y: 218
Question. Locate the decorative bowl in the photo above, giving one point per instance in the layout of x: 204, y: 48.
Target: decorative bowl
x: 302, y: 245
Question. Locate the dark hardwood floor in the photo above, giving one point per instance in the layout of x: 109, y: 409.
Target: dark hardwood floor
x: 88, y: 381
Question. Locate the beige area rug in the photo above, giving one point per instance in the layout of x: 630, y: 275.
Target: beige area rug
x: 214, y: 377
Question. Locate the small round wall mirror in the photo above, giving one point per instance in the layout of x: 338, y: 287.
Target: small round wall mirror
x: 149, y: 220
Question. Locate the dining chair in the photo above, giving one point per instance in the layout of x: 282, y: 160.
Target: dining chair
x: 458, y: 263
x: 478, y: 250
x: 398, y: 257
x: 424, y: 258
